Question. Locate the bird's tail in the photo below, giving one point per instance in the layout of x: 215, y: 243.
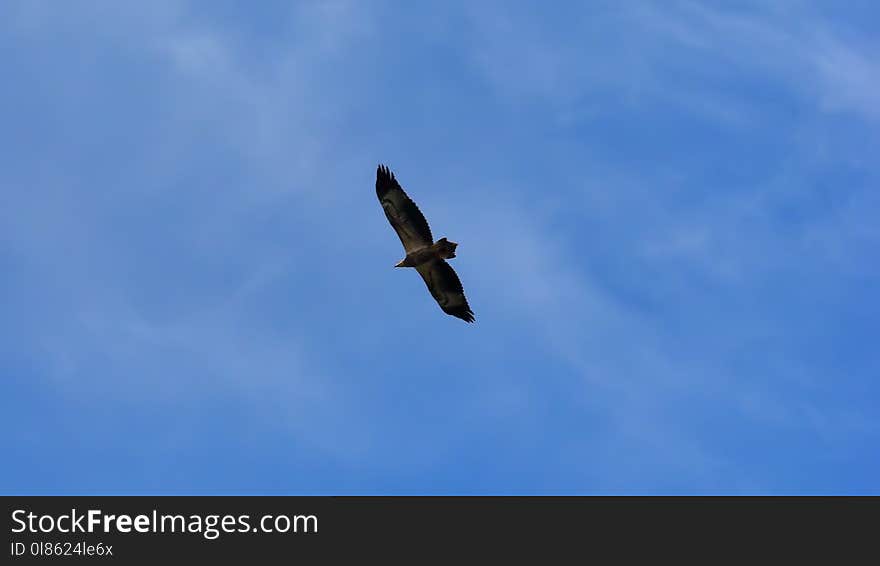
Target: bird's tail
x: 445, y: 248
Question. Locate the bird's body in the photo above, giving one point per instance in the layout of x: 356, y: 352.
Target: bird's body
x: 442, y: 249
x: 422, y: 253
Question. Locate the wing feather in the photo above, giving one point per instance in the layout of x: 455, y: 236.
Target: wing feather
x: 445, y: 287
x: 403, y: 214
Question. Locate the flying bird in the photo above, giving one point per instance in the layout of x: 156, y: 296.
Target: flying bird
x: 428, y: 257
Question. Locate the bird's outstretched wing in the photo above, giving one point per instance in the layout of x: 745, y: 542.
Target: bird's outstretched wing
x: 403, y: 214
x: 445, y: 287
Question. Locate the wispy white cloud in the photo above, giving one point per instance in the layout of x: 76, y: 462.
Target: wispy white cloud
x: 851, y: 76
x: 728, y: 243
x: 113, y: 340
x: 664, y: 49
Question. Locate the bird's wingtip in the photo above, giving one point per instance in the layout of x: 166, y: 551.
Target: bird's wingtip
x: 382, y: 170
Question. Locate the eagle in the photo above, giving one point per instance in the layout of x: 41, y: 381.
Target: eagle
x: 422, y: 252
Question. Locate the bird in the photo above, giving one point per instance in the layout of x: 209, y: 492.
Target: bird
x: 422, y: 252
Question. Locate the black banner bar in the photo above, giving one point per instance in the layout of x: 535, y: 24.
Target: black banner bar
x: 128, y: 529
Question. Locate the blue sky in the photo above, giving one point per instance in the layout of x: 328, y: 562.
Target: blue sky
x: 667, y: 218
